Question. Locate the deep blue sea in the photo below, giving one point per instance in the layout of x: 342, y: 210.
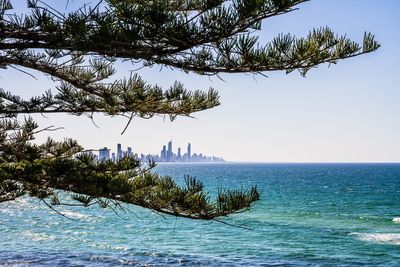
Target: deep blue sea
x: 308, y: 215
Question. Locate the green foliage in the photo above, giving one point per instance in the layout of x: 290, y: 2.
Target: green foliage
x: 43, y: 171
x: 78, y: 50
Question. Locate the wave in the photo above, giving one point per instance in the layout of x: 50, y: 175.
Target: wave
x: 38, y: 236
x: 75, y: 215
x: 109, y: 246
x: 379, y: 218
x: 380, y: 238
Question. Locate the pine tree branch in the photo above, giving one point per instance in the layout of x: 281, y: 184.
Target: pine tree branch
x: 78, y: 50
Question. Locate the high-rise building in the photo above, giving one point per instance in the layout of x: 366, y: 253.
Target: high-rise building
x: 104, y: 153
x: 163, y: 155
x: 129, y: 151
x: 179, y: 153
x: 119, y: 151
x: 113, y: 156
x: 169, y: 151
x: 189, y: 151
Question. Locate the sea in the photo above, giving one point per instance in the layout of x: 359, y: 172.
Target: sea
x: 308, y: 215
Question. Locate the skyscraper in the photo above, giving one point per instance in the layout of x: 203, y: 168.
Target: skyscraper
x: 163, y: 155
x: 104, y: 153
x: 169, y: 152
x: 179, y: 153
x: 189, y: 151
x: 119, y: 151
x: 129, y: 151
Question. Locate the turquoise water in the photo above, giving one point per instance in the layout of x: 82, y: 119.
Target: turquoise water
x: 309, y: 214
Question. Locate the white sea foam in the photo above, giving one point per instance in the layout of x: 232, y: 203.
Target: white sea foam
x: 396, y: 220
x: 109, y: 246
x: 38, y: 236
x: 381, y: 238
x: 120, y: 247
x: 75, y: 215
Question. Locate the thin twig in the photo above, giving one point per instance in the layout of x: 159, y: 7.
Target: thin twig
x: 59, y: 213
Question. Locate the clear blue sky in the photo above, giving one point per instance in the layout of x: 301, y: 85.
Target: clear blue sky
x: 347, y: 112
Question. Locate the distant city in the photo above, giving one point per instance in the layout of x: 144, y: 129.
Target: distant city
x: 166, y: 155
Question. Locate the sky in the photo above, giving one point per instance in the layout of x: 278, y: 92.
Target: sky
x: 347, y: 112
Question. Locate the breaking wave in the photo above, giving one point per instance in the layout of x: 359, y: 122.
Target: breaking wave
x: 396, y: 220
x: 381, y: 238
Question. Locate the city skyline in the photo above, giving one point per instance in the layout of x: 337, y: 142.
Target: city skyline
x: 166, y: 154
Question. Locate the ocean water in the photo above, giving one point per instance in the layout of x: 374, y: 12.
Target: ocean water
x: 309, y: 214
